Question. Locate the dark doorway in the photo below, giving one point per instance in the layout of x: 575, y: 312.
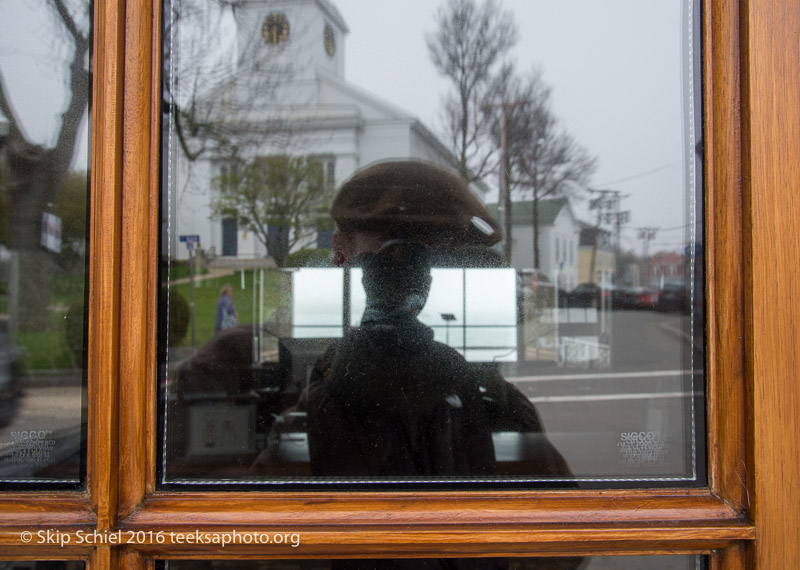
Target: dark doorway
x: 230, y: 237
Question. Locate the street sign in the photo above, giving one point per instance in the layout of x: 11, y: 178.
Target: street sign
x: 191, y: 240
x: 51, y: 232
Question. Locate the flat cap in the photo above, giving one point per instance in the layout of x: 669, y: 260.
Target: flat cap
x: 413, y: 198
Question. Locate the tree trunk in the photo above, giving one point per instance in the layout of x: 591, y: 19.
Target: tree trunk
x: 535, y: 216
x: 33, y: 186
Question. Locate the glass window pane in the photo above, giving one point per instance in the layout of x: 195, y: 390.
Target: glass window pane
x: 45, y: 86
x: 363, y: 284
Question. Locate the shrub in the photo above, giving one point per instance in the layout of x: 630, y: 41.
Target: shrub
x: 179, y: 315
x: 73, y: 331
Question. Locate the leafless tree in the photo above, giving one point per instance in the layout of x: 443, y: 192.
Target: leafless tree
x: 467, y: 47
x: 222, y: 89
x: 35, y: 174
x: 544, y: 160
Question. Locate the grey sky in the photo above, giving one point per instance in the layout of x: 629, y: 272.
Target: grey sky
x: 614, y: 68
x: 34, y: 57
x: 615, y: 72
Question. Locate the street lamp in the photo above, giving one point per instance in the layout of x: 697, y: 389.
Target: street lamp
x: 447, y: 318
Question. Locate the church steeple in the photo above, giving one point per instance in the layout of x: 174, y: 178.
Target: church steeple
x: 297, y: 35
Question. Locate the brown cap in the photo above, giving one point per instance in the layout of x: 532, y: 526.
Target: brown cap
x: 413, y: 198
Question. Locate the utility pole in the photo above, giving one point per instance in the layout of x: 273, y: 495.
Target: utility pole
x: 504, y: 208
x: 607, y: 205
x: 646, y: 235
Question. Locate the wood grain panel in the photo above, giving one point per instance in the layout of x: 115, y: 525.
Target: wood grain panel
x: 103, y: 558
x: 772, y: 95
x: 151, y: 396
x: 724, y: 274
x: 139, y: 262
x: 30, y: 510
x: 732, y: 557
x: 104, y: 240
x: 347, y: 524
x: 564, y: 507
x: 489, y: 541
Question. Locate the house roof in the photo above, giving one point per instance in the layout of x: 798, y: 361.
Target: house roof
x: 522, y: 212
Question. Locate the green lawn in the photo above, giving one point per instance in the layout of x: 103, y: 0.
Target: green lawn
x: 179, y: 270
x: 48, y: 349
x: 206, y: 295
x: 45, y: 350
x: 67, y: 289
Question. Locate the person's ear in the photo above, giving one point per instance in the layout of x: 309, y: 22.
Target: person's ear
x: 427, y: 288
x: 342, y: 247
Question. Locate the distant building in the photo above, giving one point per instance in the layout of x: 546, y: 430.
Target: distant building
x: 311, y: 106
x: 596, y: 259
x: 666, y: 267
x: 558, y: 239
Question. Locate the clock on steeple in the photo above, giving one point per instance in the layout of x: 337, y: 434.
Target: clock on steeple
x: 329, y: 40
x: 297, y: 37
x: 275, y: 29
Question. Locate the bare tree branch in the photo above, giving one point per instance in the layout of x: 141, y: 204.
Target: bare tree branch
x: 470, y: 41
x: 543, y: 158
x: 69, y: 23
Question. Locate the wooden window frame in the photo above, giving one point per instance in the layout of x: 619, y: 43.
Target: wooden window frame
x: 746, y: 517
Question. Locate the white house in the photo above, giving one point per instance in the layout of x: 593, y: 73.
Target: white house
x: 558, y: 235
x: 288, y: 95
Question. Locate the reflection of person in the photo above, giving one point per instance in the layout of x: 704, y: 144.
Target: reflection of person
x: 388, y: 400
x: 396, y: 401
x: 227, y: 316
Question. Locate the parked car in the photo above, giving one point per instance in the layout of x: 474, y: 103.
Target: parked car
x: 673, y: 297
x: 639, y: 298
x: 592, y: 295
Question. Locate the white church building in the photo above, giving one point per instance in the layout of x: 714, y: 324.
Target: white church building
x: 286, y: 93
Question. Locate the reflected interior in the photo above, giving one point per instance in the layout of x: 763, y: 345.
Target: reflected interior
x: 554, y: 336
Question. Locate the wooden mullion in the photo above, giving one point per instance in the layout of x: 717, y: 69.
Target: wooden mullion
x: 726, y: 399
x: 139, y: 268
x: 103, y: 558
x: 131, y: 559
x: 731, y: 558
x: 151, y: 417
x: 104, y: 279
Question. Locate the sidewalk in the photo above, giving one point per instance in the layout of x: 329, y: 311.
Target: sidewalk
x: 212, y: 274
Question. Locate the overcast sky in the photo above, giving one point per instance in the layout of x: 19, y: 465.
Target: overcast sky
x: 615, y: 70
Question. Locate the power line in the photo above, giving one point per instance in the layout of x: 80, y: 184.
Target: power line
x: 641, y: 174
x: 672, y: 229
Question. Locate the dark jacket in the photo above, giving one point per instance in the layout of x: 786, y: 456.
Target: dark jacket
x: 397, y: 403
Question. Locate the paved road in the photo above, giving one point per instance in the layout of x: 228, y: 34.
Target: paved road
x: 45, y: 430
x: 589, y: 414
x: 592, y: 415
